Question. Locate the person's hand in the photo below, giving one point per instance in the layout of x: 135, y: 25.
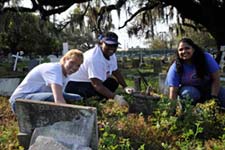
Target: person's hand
x: 129, y: 90
x: 120, y: 100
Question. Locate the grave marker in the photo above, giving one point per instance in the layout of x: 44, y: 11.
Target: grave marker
x: 8, y: 85
x: 65, y: 48
x: 53, y: 58
x: 222, y: 62
x: 17, y: 56
x: 40, y: 59
x: 32, y: 63
x: 34, y: 114
x: 157, y: 66
x: 162, y: 87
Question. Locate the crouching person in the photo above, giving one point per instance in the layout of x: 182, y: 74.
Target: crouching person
x: 194, y: 74
x: 45, y: 81
x: 99, y: 74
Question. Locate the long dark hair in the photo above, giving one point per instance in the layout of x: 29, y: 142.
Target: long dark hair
x: 198, y: 59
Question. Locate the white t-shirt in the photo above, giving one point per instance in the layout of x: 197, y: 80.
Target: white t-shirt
x: 38, y: 80
x: 95, y: 65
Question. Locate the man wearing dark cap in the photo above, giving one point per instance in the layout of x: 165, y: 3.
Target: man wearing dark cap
x: 95, y: 76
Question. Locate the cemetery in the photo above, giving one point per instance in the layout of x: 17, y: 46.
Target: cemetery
x: 93, y: 125
x: 38, y: 32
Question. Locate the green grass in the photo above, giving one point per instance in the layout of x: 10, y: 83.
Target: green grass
x: 169, y: 127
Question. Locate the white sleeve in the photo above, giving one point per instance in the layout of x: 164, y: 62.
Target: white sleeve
x: 96, y: 69
x: 53, y: 75
x: 114, y: 63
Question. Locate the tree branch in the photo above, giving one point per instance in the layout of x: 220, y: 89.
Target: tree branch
x: 106, y: 9
x: 147, y: 7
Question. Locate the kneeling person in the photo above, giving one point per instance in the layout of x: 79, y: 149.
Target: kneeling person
x: 94, y: 77
x: 45, y: 81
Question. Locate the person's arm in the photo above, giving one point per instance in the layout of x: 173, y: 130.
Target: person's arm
x: 215, y: 83
x: 57, y: 93
x: 173, y: 92
x: 100, y: 88
x: 119, y: 78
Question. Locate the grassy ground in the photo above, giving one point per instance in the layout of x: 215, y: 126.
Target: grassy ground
x: 8, y: 126
x: 200, y: 128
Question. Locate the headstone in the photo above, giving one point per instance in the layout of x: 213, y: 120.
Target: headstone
x: 40, y: 59
x: 144, y: 104
x: 32, y: 115
x: 65, y: 48
x: 162, y: 88
x: 135, y: 62
x: 32, y: 63
x: 123, y: 61
x: 157, y: 67
x: 17, y: 56
x: 75, y: 134
x: 53, y: 58
x: 47, y: 143
x: 141, y: 63
x: 222, y: 62
x: 137, y: 83
x: 8, y: 85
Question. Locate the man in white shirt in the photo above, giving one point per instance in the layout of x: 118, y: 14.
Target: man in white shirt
x: 94, y: 78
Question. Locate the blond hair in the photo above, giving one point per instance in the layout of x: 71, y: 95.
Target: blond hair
x: 71, y: 54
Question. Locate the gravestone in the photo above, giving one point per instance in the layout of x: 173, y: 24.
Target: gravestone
x: 162, y: 87
x: 141, y: 58
x: 123, y: 62
x: 157, y: 66
x: 65, y: 48
x: 8, y: 85
x: 135, y: 62
x: 53, y: 58
x: 32, y: 63
x: 222, y: 62
x: 143, y: 103
x: 137, y: 83
x: 40, y: 59
x: 34, y: 115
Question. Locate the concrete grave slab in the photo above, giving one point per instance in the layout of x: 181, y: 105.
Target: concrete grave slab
x: 34, y: 114
x: 8, y: 85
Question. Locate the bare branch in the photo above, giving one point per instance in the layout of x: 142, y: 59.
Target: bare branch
x: 148, y: 7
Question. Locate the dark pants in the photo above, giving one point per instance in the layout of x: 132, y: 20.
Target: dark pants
x: 86, y: 90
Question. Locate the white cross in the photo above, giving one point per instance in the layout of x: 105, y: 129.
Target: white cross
x: 17, y: 57
x: 40, y: 59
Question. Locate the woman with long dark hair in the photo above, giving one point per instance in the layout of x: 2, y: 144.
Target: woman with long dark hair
x: 194, y: 74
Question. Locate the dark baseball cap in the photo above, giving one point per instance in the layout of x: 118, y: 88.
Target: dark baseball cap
x: 110, y: 38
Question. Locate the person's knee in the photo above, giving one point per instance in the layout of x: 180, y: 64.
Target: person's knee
x: 189, y: 92
x: 69, y: 87
x: 111, y: 84
x: 45, y: 96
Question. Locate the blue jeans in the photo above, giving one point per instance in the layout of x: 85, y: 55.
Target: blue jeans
x: 48, y: 96
x: 195, y: 94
